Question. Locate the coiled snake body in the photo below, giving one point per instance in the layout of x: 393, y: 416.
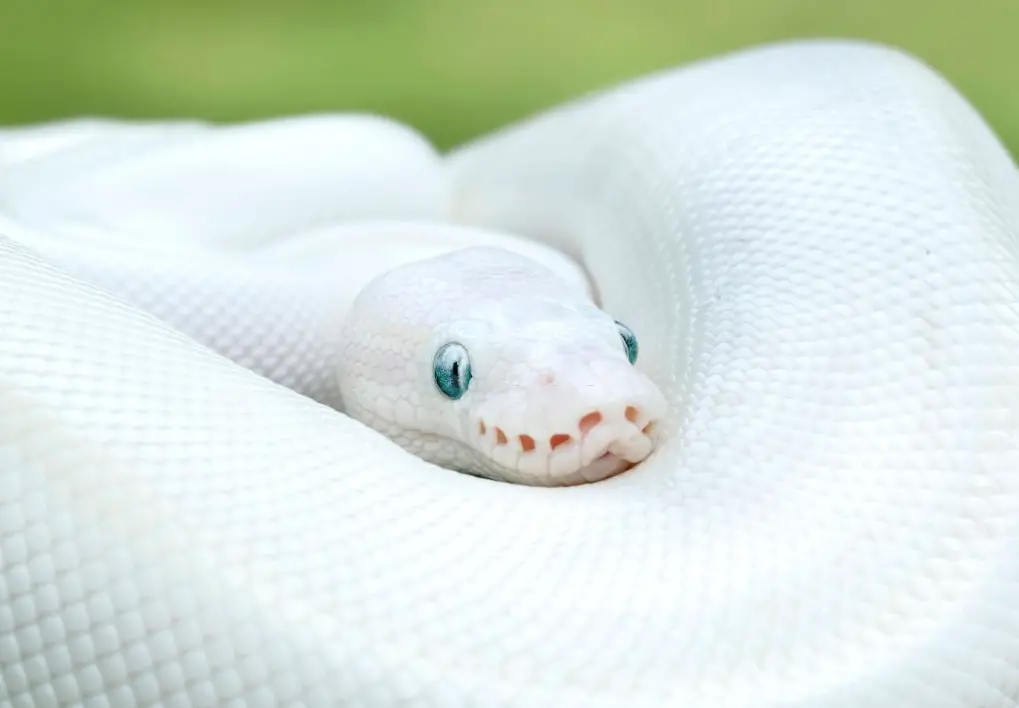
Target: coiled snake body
x: 815, y: 244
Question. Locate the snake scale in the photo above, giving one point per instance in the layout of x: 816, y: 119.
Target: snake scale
x: 814, y: 244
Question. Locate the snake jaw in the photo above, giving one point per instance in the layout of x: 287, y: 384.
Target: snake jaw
x: 607, y: 465
x: 602, y: 443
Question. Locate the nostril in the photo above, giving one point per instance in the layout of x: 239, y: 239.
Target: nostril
x: 481, y: 428
x: 589, y: 421
x: 500, y: 437
x: 632, y: 414
x: 649, y: 428
x: 558, y: 440
x: 527, y: 443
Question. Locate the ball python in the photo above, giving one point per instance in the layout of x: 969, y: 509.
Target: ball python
x: 812, y: 243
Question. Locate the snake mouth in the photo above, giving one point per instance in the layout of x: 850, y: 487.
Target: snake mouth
x: 604, y: 466
x: 601, y: 443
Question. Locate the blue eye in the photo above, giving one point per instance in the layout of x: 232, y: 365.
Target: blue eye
x: 452, y: 370
x: 629, y: 342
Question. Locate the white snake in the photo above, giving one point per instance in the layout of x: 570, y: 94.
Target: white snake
x: 816, y: 246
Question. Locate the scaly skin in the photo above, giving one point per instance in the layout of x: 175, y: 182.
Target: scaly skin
x: 816, y: 246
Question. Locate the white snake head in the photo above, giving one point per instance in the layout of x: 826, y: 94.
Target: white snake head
x: 484, y: 361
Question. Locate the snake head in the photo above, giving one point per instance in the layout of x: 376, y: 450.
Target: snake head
x: 487, y: 362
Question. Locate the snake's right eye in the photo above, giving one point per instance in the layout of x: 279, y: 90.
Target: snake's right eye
x: 629, y: 341
x: 452, y: 370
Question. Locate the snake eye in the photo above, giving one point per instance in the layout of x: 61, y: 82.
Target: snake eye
x: 452, y: 370
x: 629, y: 342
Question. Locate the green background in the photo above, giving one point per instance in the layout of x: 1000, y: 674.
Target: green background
x: 452, y: 68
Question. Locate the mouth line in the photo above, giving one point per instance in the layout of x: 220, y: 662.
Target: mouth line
x: 606, y: 465
x: 603, y: 467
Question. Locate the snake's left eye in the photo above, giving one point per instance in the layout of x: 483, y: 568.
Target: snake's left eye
x: 452, y: 370
x: 629, y: 341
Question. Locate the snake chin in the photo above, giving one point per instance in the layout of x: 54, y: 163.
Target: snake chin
x: 604, y: 467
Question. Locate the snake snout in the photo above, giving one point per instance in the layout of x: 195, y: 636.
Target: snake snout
x: 591, y: 422
x: 615, y: 441
x: 601, y: 442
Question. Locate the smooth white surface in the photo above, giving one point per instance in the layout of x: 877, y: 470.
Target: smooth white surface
x: 818, y: 243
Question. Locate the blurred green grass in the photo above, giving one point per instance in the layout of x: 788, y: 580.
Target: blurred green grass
x: 452, y: 68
